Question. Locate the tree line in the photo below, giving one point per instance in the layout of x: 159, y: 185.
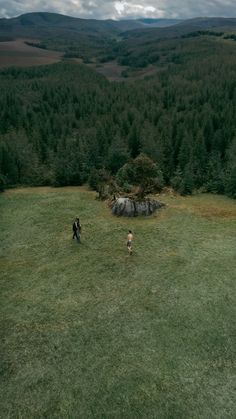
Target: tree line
x: 59, y: 123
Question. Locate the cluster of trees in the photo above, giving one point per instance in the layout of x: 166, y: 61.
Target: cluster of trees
x: 199, y: 33
x: 141, y: 172
x: 230, y: 36
x: 59, y: 123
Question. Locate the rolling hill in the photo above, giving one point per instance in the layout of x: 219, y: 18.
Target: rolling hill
x: 47, y: 23
x: 104, y: 40
x: 80, y: 38
x: 141, y: 47
x: 180, y: 29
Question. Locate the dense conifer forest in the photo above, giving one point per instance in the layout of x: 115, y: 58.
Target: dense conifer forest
x: 58, y: 123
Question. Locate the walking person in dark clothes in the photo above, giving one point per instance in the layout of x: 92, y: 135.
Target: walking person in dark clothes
x: 76, y: 229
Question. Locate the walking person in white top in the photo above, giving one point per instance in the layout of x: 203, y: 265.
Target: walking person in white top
x: 129, y: 242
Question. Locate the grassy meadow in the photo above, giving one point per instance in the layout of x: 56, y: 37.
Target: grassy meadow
x: 88, y: 331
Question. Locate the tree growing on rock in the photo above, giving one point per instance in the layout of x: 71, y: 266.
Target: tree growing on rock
x: 141, y: 172
x: 101, y: 181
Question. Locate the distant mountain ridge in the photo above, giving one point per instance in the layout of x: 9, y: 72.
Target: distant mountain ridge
x: 159, y: 23
x: 45, y: 24
x: 104, y: 40
x: 186, y: 26
x: 53, y: 20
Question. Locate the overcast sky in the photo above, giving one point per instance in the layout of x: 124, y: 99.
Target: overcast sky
x: 104, y: 9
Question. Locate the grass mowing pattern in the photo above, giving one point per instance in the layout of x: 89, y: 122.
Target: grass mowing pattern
x: 88, y: 331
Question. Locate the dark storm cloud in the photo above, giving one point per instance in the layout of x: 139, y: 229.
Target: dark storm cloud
x: 103, y: 9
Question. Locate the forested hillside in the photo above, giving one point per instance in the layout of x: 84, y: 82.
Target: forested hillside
x: 102, y: 40
x: 60, y: 122
x: 81, y: 38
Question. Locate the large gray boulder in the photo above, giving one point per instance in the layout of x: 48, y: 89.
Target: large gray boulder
x: 130, y: 208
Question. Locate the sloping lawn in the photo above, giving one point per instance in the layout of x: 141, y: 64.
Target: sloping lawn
x: 88, y: 331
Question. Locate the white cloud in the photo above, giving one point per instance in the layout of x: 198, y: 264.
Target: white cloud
x: 120, y: 7
x: 104, y: 9
x: 131, y: 9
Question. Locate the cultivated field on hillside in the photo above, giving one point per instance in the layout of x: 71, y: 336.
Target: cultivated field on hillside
x: 17, y: 53
x: 88, y: 331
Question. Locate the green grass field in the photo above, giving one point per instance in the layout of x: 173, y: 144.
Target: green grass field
x: 88, y: 331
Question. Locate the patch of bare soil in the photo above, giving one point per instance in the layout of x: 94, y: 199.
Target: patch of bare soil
x: 209, y: 210
x: 216, y: 212
x: 149, y: 71
x: 113, y: 71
